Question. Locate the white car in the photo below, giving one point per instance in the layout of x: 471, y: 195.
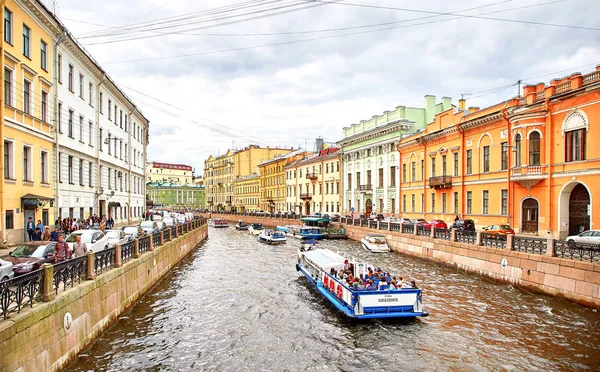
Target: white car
x: 6, y: 270
x: 150, y: 227
x: 115, y: 237
x: 94, y: 240
x: 168, y: 221
x: 181, y: 219
x: 589, y: 237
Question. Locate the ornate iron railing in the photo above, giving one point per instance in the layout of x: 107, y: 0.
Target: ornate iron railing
x: 493, y: 240
x: 179, y: 230
x: 463, y: 236
x: 127, y: 251
x: 407, y: 229
x: 70, y: 272
x: 441, y: 233
x: 577, y: 251
x: 156, y: 239
x: 394, y: 226
x: 144, y: 244
x: 383, y: 225
x: 343, y: 220
x: 18, y: 292
x: 105, y: 260
x: 423, y: 231
x: 530, y: 245
x: 167, y: 235
x: 173, y: 231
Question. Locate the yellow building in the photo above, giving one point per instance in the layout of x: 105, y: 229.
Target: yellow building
x: 272, y: 181
x: 247, y: 193
x: 218, y: 182
x: 246, y: 160
x: 173, y: 173
x: 313, y: 184
x: 26, y: 126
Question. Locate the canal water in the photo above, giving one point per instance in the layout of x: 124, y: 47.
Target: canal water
x: 237, y: 305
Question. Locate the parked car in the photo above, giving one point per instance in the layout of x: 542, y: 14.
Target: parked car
x: 30, y: 256
x: 360, y: 217
x: 181, y: 219
x: 589, y: 237
x: 6, y: 270
x: 404, y: 221
x: 94, y: 240
x: 418, y: 221
x: 169, y: 221
x: 499, y: 230
x: 116, y: 236
x: 150, y: 227
x: 335, y: 218
x: 161, y: 225
x: 377, y: 217
x: 438, y: 224
x: 464, y: 225
x: 133, y: 232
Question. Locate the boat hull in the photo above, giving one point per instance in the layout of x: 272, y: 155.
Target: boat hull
x: 271, y: 241
x: 375, y: 249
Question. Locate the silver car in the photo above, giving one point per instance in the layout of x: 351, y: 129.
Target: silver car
x: 6, y: 270
x: 588, y: 237
x: 116, y: 237
x: 150, y: 227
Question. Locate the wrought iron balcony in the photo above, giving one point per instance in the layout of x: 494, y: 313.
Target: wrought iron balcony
x: 440, y: 182
x: 365, y: 188
x: 305, y: 196
x: 312, y: 176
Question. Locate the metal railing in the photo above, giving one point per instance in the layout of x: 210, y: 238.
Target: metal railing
x: 577, y: 251
x: 70, y: 272
x: 144, y: 244
x: 156, y: 239
x: 464, y: 236
x: 530, y: 245
x: 423, y: 231
x: 407, y: 229
x: 493, y: 240
x: 372, y: 224
x: 21, y: 291
x: 167, y: 235
x: 105, y: 260
x: 395, y: 226
x: 127, y: 251
x: 441, y: 233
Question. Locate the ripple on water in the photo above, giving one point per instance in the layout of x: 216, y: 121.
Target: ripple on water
x: 237, y: 305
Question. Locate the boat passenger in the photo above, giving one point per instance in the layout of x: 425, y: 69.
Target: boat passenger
x: 382, y: 285
x: 413, y: 283
x: 361, y: 285
x: 407, y: 285
x: 370, y: 286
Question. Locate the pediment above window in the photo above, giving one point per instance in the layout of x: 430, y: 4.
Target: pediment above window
x: 575, y: 121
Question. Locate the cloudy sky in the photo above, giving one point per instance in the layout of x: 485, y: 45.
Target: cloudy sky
x: 215, y: 74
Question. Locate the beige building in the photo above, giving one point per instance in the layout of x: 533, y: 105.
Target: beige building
x: 246, y: 160
x: 165, y: 172
x: 247, y: 193
x: 313, y: 183
x: 218, y: 182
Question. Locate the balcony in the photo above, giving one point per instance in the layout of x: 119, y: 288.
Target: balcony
x: 306, y: 196
x: 228, y: 200
x: 312, y: 176
x: 365, y: 188
x: 528, y: 176
x: 440, y: 182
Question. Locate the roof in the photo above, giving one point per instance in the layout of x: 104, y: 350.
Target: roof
x: 169, y: 185
x: 316, y: 158
x: 282, y: 157
x: 171, y: 166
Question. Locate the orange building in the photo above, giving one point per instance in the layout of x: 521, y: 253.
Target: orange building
x: 524, y: 162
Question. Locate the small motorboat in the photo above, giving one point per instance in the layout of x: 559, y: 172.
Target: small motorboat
x: 256, y: 228
x: 217, y: 223
x: 375, y: 243
x: 241, y: 225
x: 308, y: 245
x: 272, y: 237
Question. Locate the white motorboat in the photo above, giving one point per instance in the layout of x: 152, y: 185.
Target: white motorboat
x: 272, y: 237
x: 256, y: 228
x: 217, y: 223
x: 375, y: 243
x: 241, y: 225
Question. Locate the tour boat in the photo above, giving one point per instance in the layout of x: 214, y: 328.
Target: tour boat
x: 375, y: 243
x: 217, y: 223
x: 241, y: 225
x: 271, y: 237
x: 292, y: 231
x: 358, y: 304
x: 307, y: 245
x: 256, y: 228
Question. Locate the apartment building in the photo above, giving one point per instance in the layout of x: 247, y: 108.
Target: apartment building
x: 167, y: 172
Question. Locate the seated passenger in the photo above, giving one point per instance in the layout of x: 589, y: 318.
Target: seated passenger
x: 361, y: 285
x: 393, y: 285
x: 406, y: 285
x: 413, y: 283
x: 370, y: 286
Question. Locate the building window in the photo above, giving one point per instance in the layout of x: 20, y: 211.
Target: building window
x: 392, y: 176
x: 518, y: 150
x: 403, y: 172
x: 469, y: 161
x: 44, y: 107
x: 432, y: 202
x: 8, y: 87
x: 26, y: 97
x: 81, y: 128
x: 91, y: 95
x: 486, y: 197
x: 455, y: 155
x: 504, y: 165
x: 44, y: 55
x: 27, y: 163
x: 90, y: 183
x: 81, y: 172
x: 443, y: 202
x: 393, y: 203
x: 109, y: 179
x: 422, y: 169
x: 91, y: 131
x: 100, y: 136
x: 26, y: 41
x: 534, y: 148
x: 575, y: 145
x: 59, y: 68
x: 422, y: 202
x: 70, y: 170
x: 81, y: 86
x: 443, y: 165
x: 70, y: 77
x: 59, y: 117
x: 44, y: 167
x: 9, y: 221
x: 456, y: 202
x: 412, y: 203
x: 60, y: 176
x: 8, y: 17
x: 504, y: 205
x: 433, y: 167
x: 109, y: 115
x: 8, y: 160
x: 101, y: 104
x: 108, y: 143
x: 380, y: 177
x: 413, y: 171
x: 469, y: 201
x: 486, y: 159
x: 403, y: 203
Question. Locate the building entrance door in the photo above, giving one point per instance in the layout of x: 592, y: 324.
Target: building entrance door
x: 579, y: 210
x: 28, y: 213
x: 368, y: 207
x: 102, y: 208
x: 530, y: 214
x: 307, y: 208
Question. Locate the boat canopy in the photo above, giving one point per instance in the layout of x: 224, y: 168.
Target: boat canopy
x: 315, y: 219
x: 308, y: 241
x: 325, y: 259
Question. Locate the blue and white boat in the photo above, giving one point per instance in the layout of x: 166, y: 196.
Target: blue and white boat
x: 241, y: 225
x: 271, y: 237
x: 357, y: 304
x: 301, y: 232
x: 256, y: 228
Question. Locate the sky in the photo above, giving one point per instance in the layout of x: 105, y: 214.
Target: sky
x: 214, y: 75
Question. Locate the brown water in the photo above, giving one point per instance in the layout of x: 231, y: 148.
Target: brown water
x: 236, y: 304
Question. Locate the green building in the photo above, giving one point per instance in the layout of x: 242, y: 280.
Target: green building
x: 171, y: 195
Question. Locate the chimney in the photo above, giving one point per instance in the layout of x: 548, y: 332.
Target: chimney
x: 462, y: 103
x: 429, y: 108
x: 446, y: 103
x: 473, y: 109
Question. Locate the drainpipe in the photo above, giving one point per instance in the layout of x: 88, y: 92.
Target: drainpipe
x: 549, y: 135
x: 2, y: 227
x: 424, y: 206
x: 98, y: 175
x: 56, y: 134
x: 510, y: 186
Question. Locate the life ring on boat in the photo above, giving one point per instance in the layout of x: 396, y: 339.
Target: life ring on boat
x: 331, y: 284
x: 326, y: 281
x: 339, y: 291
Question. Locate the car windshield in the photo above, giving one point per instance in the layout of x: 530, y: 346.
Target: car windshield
x: 147, y: 224
x: 112, y: 234
x: 130, y: 230
x: 39, y: 252
x: 24, y: 251
x: 505, y: 227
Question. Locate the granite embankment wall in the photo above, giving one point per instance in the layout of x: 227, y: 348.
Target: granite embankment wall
x: 39, y: 339
x: 572, y: 279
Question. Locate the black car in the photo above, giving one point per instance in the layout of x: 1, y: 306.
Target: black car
x: 464, y: 225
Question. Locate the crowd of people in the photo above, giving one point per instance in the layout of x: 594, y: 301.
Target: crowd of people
x: 373, y: 280
x: 39, y: 232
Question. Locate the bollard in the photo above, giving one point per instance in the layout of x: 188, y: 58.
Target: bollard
x: 390, y: 226
x: 162, y: 238
x: 378, y: 222
x: 91, y: 262
x: 415, y: 229
x: 478, y: 239
x: 48, y: 293
x: 150, y: 244
x: 453, y: 235
x: 550, y: 248
x: 136, y: 248
x: 432, y: 232
x: 509, y: 242
x: 118, y: 256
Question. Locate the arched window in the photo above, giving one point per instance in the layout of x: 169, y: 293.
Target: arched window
x: 534, y: 148
x: 575, y: 128
x: 518, y: 150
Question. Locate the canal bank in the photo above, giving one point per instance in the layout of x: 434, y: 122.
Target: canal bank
x: 50, y: 335
x: 535, y: 268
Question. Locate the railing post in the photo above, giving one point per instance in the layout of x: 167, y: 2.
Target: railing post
x: 150, y: 243
x: 118, y: 257
x: 136, y: 248
x: 378, y: 222
x: 48, y: 293
x: 550, y: 248
x: 478, y: 238
x: 176, y: 230
x: 361, y: 223
x: 415, y: 229
x: 453, y: 235
x: 509, y: 242
x: 162, y: 238
x: 432, y: 232
x: 91, y: 261
x: 390, y: 226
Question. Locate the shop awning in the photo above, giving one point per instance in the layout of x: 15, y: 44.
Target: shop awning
x: 32, y: 200
x: 114, y: 204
